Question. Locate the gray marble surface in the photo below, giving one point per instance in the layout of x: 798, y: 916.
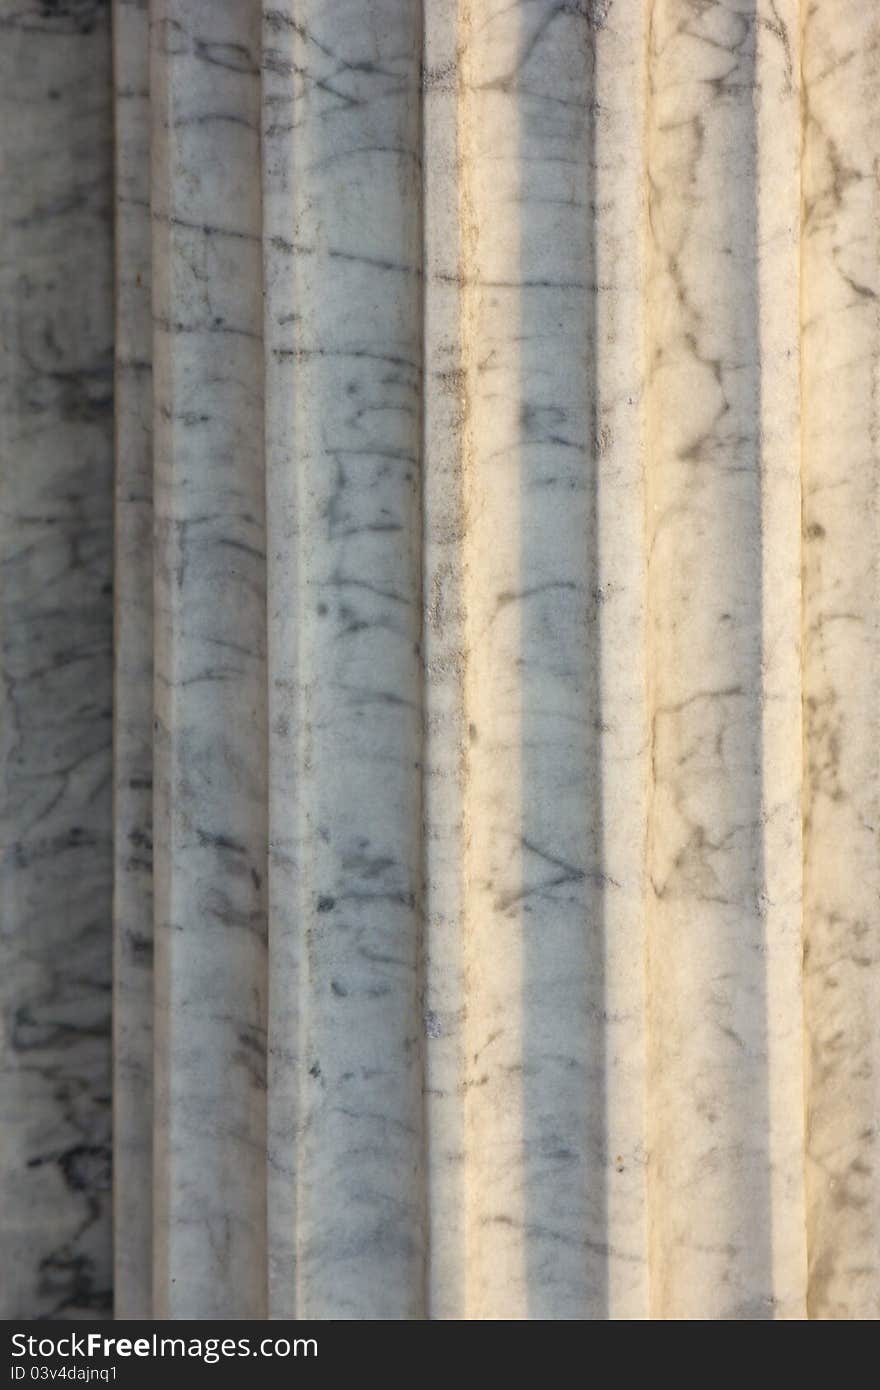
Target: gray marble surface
x: 56, y: 610
x: 209, y: 594
x: 343, y: 392
x: 133, y: 672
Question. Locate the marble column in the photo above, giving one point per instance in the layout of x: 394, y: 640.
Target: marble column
x: 495, y: 911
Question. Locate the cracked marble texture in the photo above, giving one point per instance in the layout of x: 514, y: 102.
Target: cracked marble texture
x: 56, y: 609
x: 495, y: 919
x: 209, y: 593
x: 841, y: 361
x: 133, y: 670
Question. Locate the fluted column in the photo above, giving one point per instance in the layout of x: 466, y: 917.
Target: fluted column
x: 496, y: 659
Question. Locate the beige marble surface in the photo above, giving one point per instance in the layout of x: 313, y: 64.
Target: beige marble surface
x: 840, y: 351
x: 710, y: 659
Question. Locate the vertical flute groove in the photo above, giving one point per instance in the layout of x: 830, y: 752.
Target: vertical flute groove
x: 210, y: 665
x: 445, y: 723
x: 344, y: 331
x: 708, y: 1099
x: 533, y: 934
x: 133, y: 667
x: 777, y: 120
x: 840, y: 352
x: 619, y: 212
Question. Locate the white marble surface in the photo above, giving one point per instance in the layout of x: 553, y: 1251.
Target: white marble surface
x: 508, y: 408
x: 343, y: 391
